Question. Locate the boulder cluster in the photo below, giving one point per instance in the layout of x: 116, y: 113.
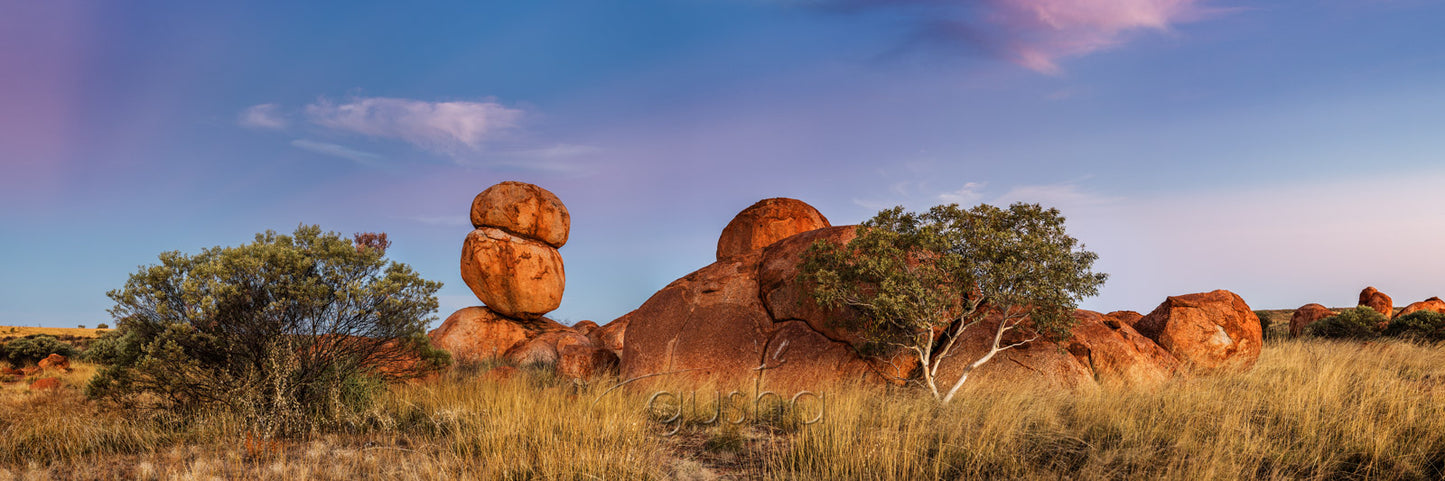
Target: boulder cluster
x: 510, y: 261
x: 1369, y: 297
x: 52, y: 365
x: 747, y: 318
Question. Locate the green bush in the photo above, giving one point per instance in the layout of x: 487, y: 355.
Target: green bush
x: 1264, y: 322
x: 1426, y: 326
x: 33, y: 348
x: 1359, y: 323
x: 293, y: 333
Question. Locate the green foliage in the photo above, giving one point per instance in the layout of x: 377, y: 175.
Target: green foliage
x: 1428, y: 326
x: 909, y: 276
x: 293, y: 332
x: 1358, y: 323
x: 31, y: 349
x: 102, y: 326
x: 1264, y: 322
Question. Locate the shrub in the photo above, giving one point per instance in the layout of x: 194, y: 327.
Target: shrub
x: 33, y: 348
x: 1359, y: 323
x: 102, y: 326
x: 294, y: 333
x: 1426, y: 326
x: 1264, y: 322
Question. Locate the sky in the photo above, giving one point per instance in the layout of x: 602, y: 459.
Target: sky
x: 1290, y: 151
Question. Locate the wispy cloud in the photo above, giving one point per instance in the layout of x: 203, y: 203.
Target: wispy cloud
x: 1037, y: 34
x: 263, y: 116
x: 454, y: 128
x: 970, y: 193
x: 1041, y: 32
x: 334, y: 150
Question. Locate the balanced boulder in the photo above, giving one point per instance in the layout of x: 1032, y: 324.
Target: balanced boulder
x: 1207, y: 331
x: 766, y: 222
x: 514, y: 276
x: 524, y: 210
x: 1306, y: 315
x: 1374, y: 299
x: 1431, y: 304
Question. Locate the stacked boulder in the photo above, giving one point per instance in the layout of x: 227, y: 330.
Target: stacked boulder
x: 510, y: 261
x: 747, y: 319
x: 1374, y: 299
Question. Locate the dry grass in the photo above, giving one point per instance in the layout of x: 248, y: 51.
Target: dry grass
x: 1309, y: 410
x: 59, y: 332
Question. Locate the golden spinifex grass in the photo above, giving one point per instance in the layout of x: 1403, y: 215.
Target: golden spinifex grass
x: 1308, y: 410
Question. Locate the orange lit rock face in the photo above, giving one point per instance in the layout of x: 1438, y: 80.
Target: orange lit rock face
x: 1431, y: 304
x: 1207, y: 331
x: 1374, y: 299
x: 478, y: 333
x: 1306, y: 315
x: 523, y: 209
x: 1110, y: 347
x: 513, y: 276
x: 766, y: 222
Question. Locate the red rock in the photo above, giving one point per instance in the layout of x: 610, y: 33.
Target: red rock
x: 56, y: 362
x: 766, y: 222
x: 1125, y: 317
x: 45, y: 383
x: 611, y: 335
x: 1207, y: 331
x: 1115, y: 352
x: 524, y: 210
x: 584, y: 327
x: 1431, y: 304
x: 1306, y: 315
x: 1038, y: 365
x: 513, y: 276
x: 1378, y: 301
x: 545, y: 348
x: 584, y: 361
x: 478, y: 333
x: 29, y: 371
x: 709, y: 324
x: 797, y: 358
x: 787, y: 298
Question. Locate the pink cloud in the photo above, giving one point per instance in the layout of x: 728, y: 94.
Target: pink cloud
x: 1041, y: 32
x: 447, y: 127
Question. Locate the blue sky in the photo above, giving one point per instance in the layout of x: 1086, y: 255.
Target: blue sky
x: 1290, y: 151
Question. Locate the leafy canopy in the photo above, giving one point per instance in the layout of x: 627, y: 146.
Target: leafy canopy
x: 915, y: 280
x: 287, y: 329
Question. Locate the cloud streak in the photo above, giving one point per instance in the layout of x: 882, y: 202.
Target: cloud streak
x: 361, y: 157
x: 1038, y: 34
x: 451, y: 128
x: 263, y: 116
